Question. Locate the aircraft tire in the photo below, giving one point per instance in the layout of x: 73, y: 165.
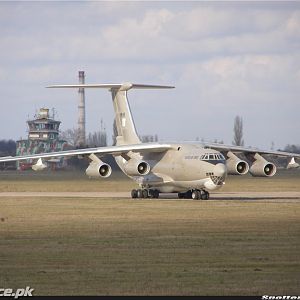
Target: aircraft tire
x: 196, y: 195
x: 188, y: 195
x: 156, y: 194
x: 133, y: 194
x: 139, y: 193
x: 205, y: 195
x: 180, y: 195
x: 145, y: 194
x: 150, y: 193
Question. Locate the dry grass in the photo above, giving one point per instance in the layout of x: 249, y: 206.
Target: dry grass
x: 285, y: 180
x: 65, y: 246
x: 62, y: 182
x: 150, y: 247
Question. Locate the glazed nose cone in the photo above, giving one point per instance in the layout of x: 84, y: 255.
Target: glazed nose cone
x: 220, y: 170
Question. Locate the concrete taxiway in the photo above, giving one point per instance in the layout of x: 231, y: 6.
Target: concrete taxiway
x: 291, y: 196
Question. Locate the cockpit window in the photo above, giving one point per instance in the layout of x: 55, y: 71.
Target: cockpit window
x: 207, y: 156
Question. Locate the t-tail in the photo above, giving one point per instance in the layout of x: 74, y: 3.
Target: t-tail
x: 124, y: 121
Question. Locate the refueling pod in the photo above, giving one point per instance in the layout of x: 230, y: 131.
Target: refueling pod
x: 236, y: 166
x: 261, y: 167
x: 292, y: 164
x: 137, y: 167
x: 39, y: 166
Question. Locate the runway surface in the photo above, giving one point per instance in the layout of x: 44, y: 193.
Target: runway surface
x: 292, y: 196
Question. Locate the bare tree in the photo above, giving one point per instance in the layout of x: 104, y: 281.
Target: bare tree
x: 97, y: 139
x: 72, y: 136
x: 149, y: 138
x: 7, y: 147
x: 292, y: 148
x: 238, y: 131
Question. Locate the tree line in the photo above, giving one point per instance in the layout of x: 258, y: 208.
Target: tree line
x: 99, y: 139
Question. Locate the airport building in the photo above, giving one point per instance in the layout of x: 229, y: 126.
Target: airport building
x: 43, y: 136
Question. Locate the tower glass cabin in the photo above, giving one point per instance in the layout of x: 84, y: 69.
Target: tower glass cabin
x: 43, y: 136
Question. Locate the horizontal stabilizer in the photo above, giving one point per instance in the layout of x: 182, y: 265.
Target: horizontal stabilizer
x: 123, y: 86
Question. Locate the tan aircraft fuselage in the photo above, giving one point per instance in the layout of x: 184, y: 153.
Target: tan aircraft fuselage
x: 183, y: 168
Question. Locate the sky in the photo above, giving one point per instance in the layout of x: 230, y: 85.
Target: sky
x: 224, y: 58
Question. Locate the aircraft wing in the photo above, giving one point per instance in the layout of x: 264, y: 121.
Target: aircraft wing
x: 246, y: 150
x: 114, y: 150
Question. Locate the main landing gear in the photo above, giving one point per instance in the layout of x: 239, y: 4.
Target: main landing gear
x: 144, y: 193
x: 194, y: 194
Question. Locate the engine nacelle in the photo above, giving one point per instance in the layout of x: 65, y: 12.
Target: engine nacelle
x: 98, y: 169
x: 262, y: 167
x: 236, y: 166
x: 137, y: 167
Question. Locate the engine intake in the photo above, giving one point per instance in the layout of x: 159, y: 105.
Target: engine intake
x: 262, y: 167
x: 137, y: 168
x: 236, y: 166
x: 98, y: 169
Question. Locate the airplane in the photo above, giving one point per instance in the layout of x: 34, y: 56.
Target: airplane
x: 191, y: 170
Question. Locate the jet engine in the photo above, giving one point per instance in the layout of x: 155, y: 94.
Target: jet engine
x: 98, y: 169
x: 262, y: 167
x: 137, y: 167
x: 236, y: 166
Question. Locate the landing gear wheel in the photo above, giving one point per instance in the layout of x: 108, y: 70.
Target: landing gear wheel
x: 181, y: 195
x: 150, y: 193
x: 155, y: 194
x: 201, y: 194
x: 133, y: 193
x: 139, y: 193
x: 196, y: 195
x: 144, y: 193
x: 205, y: 195
x: 188, y: 195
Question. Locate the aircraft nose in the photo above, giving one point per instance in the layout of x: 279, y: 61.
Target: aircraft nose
x: 220, y: 170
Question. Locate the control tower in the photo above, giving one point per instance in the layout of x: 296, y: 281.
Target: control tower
x: 43, y: 136
x: 43, y: 127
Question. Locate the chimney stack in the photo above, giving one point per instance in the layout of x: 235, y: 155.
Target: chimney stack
x: 81, y: 111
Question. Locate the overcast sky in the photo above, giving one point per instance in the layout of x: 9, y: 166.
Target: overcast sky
x: 225, y: 59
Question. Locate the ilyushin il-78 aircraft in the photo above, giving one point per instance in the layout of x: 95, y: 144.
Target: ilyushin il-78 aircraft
x: 191, y: 170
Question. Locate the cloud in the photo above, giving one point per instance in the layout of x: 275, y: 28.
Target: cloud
x: 224, y: 59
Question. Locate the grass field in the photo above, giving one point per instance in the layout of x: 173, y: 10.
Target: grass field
x: 29, y: 181
x: 77, y: 246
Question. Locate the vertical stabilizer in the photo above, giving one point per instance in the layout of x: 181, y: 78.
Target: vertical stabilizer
x: 125, y: 125
x: 124, y: 121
